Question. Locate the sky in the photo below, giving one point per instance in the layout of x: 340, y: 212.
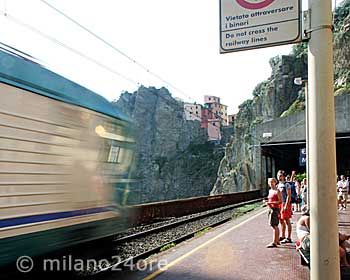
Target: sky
x: 176, y: 40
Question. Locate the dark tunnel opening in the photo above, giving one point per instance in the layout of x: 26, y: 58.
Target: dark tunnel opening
x: 286, y: 157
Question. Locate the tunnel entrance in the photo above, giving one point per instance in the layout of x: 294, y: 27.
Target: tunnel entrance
x: 343, y: 155
x: 285, y: 156
x: 282, y: 156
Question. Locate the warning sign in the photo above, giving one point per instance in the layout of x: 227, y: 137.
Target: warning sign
x: 250, y: 24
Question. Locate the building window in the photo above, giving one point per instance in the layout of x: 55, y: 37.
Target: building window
x: 113, y: 154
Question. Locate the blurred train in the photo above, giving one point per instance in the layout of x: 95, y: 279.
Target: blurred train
x: 64, y: 153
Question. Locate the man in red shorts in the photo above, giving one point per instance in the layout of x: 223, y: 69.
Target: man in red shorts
x: 286, y: 208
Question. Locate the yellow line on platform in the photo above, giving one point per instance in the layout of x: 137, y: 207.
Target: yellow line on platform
x: 174, y: 262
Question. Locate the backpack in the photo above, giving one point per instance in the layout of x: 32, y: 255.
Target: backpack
x: 294, y: 198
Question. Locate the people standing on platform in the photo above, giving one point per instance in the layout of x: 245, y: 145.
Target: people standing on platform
x: 274, y: 201
x: 343, y: 189
x: 288, y: 178
x: 298, y: 192
x: 286, y: 208
x: 304, y: 194
x: 294, y: 198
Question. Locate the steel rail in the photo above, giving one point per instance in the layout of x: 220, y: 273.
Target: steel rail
x: 144, y: 255
x: 184, y: 221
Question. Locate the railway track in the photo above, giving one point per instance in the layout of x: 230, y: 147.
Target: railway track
x: 141, y: 244
x: 180, y: 220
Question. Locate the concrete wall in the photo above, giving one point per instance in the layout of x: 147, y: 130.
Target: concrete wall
x: 285, y: 129
x: 342, y: 109
x: 292, y: 129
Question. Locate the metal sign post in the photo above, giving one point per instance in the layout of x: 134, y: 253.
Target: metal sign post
x: 322, y: 156
x: 250, y: 24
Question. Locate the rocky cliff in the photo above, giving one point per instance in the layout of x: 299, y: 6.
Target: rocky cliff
x: 173, y: 159
x: 278, y: 96
x: 342, y: 47
x: 271, y: 99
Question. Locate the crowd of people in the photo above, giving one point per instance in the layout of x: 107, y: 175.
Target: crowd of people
x: 285, y: 196
x: 288, y: 195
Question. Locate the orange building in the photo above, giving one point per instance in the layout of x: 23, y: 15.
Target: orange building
x: 212, y: 115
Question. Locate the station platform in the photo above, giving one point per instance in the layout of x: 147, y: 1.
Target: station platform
x: 235, y: 250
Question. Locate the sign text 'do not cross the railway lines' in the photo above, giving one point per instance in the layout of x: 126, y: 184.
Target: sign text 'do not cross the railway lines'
x: 250, y: 24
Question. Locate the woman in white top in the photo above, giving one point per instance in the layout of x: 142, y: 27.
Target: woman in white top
x: 303, y: 226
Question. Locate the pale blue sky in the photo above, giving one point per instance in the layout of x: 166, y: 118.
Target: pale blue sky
x: 176, y: 39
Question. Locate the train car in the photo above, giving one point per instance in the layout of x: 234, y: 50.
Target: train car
x: 62, y: 149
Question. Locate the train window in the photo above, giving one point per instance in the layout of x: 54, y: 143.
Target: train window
x: 126, y: 156
x: 113, y: 156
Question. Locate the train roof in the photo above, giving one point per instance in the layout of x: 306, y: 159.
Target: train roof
x: 22, y: 71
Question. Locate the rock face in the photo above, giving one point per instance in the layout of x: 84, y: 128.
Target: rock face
x: 341, y: 45
x: 271, y: 98
x: 173, y: 159
x: 275, y: 97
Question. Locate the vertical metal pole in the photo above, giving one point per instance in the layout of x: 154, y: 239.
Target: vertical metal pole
x: 323, y: 205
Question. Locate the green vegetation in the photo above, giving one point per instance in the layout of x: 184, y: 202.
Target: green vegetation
x: 301, y: 176
x: 250, y: 207
x: 275, y: 60
x: 261, y: 88
x: 167, y: 247
x: 245, y: 116
x: 342, y: 90
x: 245, y: 104
x: 257, y: 121
x: 341, y: 53
x: 240, y: 211
x: 205, y: 160
x: 341, y: 14
x: 341, y: 47
x: 198, y: 233
x: 297, y: 106
x: 299, y: 50
x: 198, y: 149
